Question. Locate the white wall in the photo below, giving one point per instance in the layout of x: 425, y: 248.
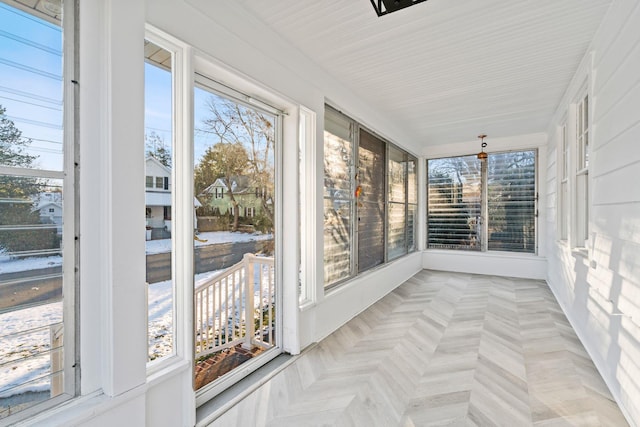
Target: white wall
x: 600, y: 292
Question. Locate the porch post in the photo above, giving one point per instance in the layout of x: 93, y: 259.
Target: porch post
x: 248, y: 304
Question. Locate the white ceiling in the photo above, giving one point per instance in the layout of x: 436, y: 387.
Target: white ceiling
x: 446, y: 70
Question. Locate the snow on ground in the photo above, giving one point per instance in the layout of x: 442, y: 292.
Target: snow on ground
x: 8, y: 265
x: 18, y: 344
x: 160, y: 299
x: 208, y: 238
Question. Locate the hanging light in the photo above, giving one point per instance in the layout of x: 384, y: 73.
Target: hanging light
x: 383, y: 7
x: 482, y: 155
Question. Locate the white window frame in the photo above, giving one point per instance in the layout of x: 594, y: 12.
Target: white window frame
x: 181, y: 216
x: 307, y: 281
x: 355, y: 130
x: 563, y: 198
x: 484, y: 211
x: 231, y: 84
x: 70, y: 245
x: 581, y: 176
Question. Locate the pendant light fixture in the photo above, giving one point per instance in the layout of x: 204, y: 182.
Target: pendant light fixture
x: 482, y: 155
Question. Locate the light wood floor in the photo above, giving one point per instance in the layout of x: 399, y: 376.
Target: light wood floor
x: 443, y: 349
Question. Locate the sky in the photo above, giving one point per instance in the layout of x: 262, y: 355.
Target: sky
x: 31, y: 82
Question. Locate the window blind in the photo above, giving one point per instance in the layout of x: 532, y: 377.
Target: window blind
x: 511, y: 201
x: 454, y: 191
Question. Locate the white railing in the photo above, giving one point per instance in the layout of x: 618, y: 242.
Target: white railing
x: 236, y: 307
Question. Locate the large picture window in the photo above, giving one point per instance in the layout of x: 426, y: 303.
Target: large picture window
x: 370, y: 199
x: 37, y: 211
x: 483, y: 206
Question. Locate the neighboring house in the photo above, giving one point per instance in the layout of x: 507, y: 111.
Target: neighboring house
x: 157, y: 194
x: 49, y: 207
x: 248, y: 196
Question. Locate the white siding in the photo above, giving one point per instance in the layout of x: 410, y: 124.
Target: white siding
x: 601, y: 292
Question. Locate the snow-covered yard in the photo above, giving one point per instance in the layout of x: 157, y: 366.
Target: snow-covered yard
x: 9, y: 265
x: 25, y: 333
x: 24, y: 357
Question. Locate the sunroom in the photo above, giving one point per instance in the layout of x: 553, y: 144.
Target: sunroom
x: 355, y: 196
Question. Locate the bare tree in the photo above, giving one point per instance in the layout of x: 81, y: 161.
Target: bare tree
x: 254, y: 130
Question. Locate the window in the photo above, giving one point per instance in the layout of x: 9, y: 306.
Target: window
x: 460, y: 189
x: 402, y: 203
x: 582, y: 172
x: 158, y: 137
x: 37, y: 307
x: 454, y: 203
x: 369, y: 199
x: 563, y: 197
x: 236, y: 291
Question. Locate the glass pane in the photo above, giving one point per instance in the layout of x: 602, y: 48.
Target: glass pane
x: 31, y: 225
x: 397, y: 233
x: 32, y: 332
x: 234, y: 246
x: 158, y: 171
x: 30, y: 91
x: 412, y: 184
x: 338, y: 197
x: 397, y: 175
x: 411, y: 227
x: 454, y: 194
x: 511, y: 201
x: 370, y: 194
x: 338, y: 162
x: 337, y: 239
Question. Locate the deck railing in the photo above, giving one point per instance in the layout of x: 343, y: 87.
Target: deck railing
x: 236, y: 306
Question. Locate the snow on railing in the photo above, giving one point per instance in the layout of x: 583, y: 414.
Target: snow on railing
x: 236, y: 307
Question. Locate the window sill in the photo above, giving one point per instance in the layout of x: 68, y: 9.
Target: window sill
x: 488, y: 254
x: 215, y: 408
x: 581, y: 252
x: 165, y: 369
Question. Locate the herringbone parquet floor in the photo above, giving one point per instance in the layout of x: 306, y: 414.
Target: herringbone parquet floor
x: 443, y: 349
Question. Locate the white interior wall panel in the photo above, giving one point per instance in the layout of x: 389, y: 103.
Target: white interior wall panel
x: 601, y: 292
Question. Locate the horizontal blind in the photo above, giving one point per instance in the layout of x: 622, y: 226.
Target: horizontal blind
x: 454, y: 196
x: 397, y: 176
x: 371, y: 197
x: 338, y: 197
x: 511, y: 201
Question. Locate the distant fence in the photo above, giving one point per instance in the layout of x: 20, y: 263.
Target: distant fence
x: 207, y: 258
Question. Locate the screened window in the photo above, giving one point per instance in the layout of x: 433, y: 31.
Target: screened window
x: 37, y: 205
x: 457, y: 199
x: 370, y: 199
x: 149, y: 181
